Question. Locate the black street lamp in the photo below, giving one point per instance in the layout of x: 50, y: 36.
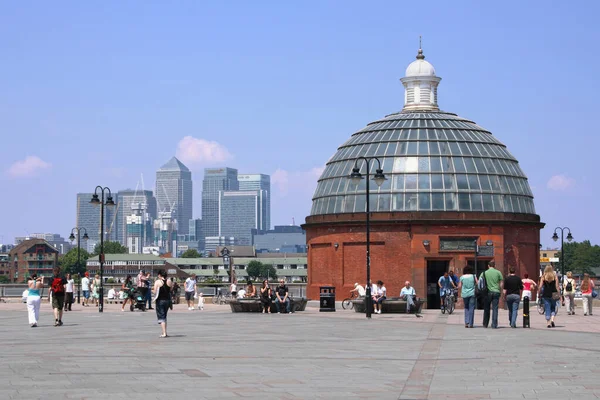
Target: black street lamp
x: 101, y: 202
x: 71, y: 238
x: 379, y: 178
x: 562, y: 249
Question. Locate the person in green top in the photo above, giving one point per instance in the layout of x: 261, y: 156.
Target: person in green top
x: 495, y: 283
x: 466, y: 285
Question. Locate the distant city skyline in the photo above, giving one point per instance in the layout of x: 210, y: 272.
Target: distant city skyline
x: 102, y: 100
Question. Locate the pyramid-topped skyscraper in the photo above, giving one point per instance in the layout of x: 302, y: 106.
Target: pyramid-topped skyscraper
x: 174, y: 192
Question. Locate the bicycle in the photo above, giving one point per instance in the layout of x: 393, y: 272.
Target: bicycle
x: 448, y: 302
x: 541, y: 307
x: 222, y: 298
x: 347, y: 303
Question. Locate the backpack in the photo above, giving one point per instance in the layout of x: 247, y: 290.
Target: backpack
x: 569, y: 287
x: 57, y: 286
x: 483, y: 288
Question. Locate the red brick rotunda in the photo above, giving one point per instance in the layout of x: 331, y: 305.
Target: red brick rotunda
x: 450, y: 185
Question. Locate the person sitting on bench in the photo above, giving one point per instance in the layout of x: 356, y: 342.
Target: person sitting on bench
x: 408, y: 293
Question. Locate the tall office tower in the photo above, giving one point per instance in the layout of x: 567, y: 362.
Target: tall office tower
x: 239, y: 213
x: 215, y: 180
x: 259, y: 182
x: 88, y: 217
x: 174, y: 192
x: 141, y: 203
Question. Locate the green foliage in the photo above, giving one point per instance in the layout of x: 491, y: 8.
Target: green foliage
x: 111, y: 248
x: 4, y: 279
x: 191, y: 253
x: 257, y: 270
x: 68, y: 262
x: 580, y: 257
x: 110, y: 280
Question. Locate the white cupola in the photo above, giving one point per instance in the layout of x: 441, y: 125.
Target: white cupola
x: 420, y: 84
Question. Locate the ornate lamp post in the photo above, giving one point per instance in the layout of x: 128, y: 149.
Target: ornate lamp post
x: 562, y: 247
x: 96, y: 200
x: 379, y: 178
x: 71, y: 238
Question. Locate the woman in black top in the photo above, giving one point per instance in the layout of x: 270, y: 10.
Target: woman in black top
x: 550, y: 294
x: 162, y: 288
x: 265, y: 296
x: 513, y: 285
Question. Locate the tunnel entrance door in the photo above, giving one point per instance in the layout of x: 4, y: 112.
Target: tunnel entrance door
x: 435, y: 269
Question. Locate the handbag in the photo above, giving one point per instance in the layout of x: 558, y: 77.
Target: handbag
x: 483, y: 287
x: 594, y: 293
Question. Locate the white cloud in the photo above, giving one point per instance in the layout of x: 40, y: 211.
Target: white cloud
x: 193, y: 151
x: 28, y: 167
x: 560, y: 182
x: 301, y: 183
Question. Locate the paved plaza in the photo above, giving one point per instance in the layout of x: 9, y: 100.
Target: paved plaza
x: 214, y: 354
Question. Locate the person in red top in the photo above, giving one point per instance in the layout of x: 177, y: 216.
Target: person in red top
x: 529, y: 286
x: 58, y: 289
x: 587, y: 288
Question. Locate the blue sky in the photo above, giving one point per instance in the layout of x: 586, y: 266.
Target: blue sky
x: 100, y: 93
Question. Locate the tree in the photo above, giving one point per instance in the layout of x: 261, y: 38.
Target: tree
x: 4, y: 279
x: 580, y: 257
x: 254, y: 269
x: 191, y: 253
x: 68, y: 262
x: 257, y: 270
x: 111, y: 248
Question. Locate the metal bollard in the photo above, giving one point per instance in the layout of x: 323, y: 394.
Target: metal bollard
x: 526, y: 312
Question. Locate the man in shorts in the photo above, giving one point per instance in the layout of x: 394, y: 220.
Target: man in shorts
x: 190, y: 291
x: 58, y: 289
x: 85, y: 288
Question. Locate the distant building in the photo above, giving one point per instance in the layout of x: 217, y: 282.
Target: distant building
x: 282, y: 239
x: 165, y: 232
x: 212, y: 242
x: 240, y: 212
x: 174, y: 192
x: 215, y: 180
x: 88, y: 217
x: 255, y: 182
x: 291, y: 269
x: 55, y: 240
x: 118, y: 266
x: 32, y: 256
x: 5, y: 267
x: 136, y: 212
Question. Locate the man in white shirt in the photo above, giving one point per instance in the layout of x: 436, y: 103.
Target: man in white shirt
x: 85, y: 289
x: 408, y: 293
x: 359, y: 290
x: 190, y: 291
x: 241, y: 293
x: 233, y: 289
x: 112, y: 294
x: 69, y: 292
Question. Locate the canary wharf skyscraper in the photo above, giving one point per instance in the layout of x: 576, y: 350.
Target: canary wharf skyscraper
x: 174, y: 192
x: 215, y: 181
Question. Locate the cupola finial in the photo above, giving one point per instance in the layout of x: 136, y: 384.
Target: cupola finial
x: 420, y: 55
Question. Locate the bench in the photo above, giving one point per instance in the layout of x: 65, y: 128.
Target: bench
x: 390, y: 305
x: 254, y: 305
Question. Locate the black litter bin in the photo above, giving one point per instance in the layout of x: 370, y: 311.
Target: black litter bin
x: 326, y: 298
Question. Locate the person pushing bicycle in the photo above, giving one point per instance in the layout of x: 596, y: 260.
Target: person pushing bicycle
x: 446, y: 285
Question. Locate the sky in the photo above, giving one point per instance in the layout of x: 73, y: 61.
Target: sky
x: 103, y: 93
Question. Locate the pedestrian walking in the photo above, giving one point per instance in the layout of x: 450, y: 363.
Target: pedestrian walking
x: 190, y: 291
x: 493, y: 284
x: 69, y: 292
x: 529, y: 286
x: 550, y: 294
x: 569, y: 293
x: 162, y: 301
x: 33, y: 299
x: 127, y: 289
x: 85, y: 289
x: 513, y: 285
x: 587, y: 290
x: 466, y: 285
x: 57, y: 290
x: 149, y: 292
x: 96, y: 289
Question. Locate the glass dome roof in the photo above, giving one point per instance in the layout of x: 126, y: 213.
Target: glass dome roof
x: 433, y: 161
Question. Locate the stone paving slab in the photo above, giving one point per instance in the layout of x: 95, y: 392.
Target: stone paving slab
x: 214, y: 354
